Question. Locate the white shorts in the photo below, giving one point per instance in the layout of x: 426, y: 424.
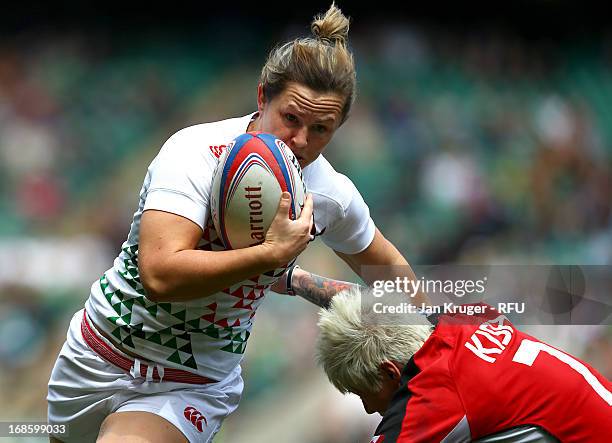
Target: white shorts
x: 84, y: 389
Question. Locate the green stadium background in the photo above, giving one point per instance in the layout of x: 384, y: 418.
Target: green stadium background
x: 475, y: 138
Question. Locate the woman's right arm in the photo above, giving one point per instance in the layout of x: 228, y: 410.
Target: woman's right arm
x: 172, y: 269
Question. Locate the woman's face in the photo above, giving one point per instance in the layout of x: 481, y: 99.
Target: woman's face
x: 379, y: 400
x: 304, y: 119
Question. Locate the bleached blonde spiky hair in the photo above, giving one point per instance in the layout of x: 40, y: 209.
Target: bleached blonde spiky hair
x: 351, y: 346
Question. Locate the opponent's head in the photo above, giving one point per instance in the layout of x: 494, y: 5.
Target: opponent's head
x: 362, y: 356
x: 307, y: 87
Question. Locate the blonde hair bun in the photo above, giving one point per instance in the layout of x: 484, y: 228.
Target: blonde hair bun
x: 331, y: 27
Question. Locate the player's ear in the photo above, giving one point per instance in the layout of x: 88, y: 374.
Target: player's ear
x: 391, y: 370
x: 261, y: 97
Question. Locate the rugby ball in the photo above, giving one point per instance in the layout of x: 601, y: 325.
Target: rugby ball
x: 252, y: 172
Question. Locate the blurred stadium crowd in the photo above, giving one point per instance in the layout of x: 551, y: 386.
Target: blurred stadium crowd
x: 470, y: 149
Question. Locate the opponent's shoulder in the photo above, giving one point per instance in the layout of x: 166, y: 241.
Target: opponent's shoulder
x: 324, y: 182
x: 436, y: 351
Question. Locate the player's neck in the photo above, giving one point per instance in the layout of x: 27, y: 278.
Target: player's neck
x: 254, y: 124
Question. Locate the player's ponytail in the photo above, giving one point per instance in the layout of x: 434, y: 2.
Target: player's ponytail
x: 322, y: 62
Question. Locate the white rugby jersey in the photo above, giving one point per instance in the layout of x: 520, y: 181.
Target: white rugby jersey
x: 208, y: 335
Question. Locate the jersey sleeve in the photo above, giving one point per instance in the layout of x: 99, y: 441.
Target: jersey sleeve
x: 353, y: 229
x: 180, y: 179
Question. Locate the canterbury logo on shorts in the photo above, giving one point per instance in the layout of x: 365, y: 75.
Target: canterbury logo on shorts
x: 195, y: 417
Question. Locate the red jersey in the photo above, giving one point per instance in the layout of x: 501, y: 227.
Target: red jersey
x: 477, y: 376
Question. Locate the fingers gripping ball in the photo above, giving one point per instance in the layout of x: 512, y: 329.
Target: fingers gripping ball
x: 250, y: 177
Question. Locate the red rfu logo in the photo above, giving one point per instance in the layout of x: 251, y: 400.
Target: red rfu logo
x: 217, y: 150
x: 195, y: 417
